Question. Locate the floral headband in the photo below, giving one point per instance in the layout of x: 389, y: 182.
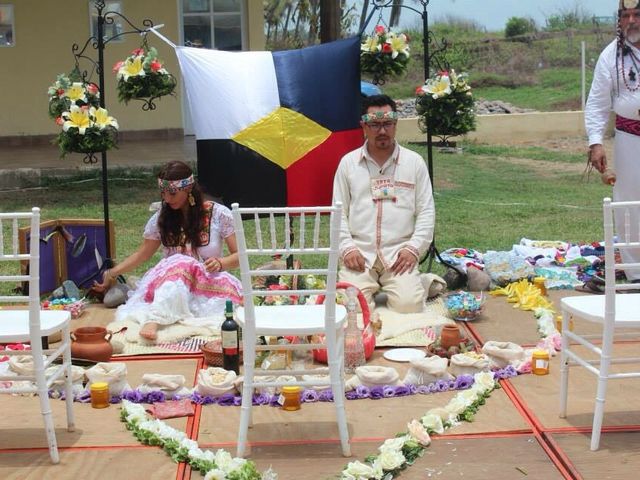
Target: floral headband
x: 626, y: 4
x: 379, y: 115
x: 172, y: 186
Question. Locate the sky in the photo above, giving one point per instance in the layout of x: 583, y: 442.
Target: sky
x: 493, y: 14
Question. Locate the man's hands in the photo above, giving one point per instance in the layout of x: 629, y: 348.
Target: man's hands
x: 405, y: 262
x: 354, y: 261
x: 598, y: 157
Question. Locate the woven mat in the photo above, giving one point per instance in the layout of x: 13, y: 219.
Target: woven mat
x: 435, y: 313
x: 188, y: 345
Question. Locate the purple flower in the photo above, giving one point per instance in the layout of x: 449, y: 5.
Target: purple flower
x: 424, y: 389
x: 351, y: 395
x: 274, y: 401
x: 155, y: 396
x: 326, y: 395
x: 413, y: 389
x: 363, y: 391
x: 377, y: 392
x: 510, y: 371
x: 451, y: 384
x: 309, y: 396
x: 442, y: 385
x: 402, y: 390
x: 433, y: 388
x: 226, y: 399
x: 84, y: 397
x: 463, y: 382
x: 115, y: 399
x: 237, y: 400
x: 261, y: 399
x: 133, y: 396
x: 388, y: 391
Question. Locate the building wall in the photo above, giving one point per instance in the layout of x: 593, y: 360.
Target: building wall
x: 44, y: 34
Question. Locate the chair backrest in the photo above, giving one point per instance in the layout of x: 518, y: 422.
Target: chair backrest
x: 270, y: 232
x: 625, y: 216
x: 26, y: 267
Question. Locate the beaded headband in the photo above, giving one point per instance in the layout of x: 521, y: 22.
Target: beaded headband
x: 379, y: 115
x: 627, y: 4
x: 172, y: 186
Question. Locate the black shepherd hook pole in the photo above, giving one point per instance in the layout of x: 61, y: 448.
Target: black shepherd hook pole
x: 428, y: 56
x: 98, y: 43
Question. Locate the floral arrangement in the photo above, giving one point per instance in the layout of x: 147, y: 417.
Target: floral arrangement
x: 142, y: 75
x: 396, y: 454
x: 282, y: 283
x: 214, y: 466
x: 70, y: 90
x: 384, y: 53
x: 445, y: 105
x: 86, y: 130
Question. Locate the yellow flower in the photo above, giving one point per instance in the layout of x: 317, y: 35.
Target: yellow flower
x: 438, y: 88
x: 370, y: 45
x: 131, y: 68
x: 102, y: 119
x: 76, y: 92
x: 398, y: 45
x: 77, y: 117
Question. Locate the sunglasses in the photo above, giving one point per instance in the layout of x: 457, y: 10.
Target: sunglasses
x: 377, y: 126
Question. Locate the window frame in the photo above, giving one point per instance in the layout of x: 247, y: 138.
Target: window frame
x: 12, y: 28
x: 211, y: 15
x: 108, y: 7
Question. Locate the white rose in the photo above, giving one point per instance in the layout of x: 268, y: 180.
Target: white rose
x: 358, y: 471
x: 215, y: 474
x: 393, y: 444
x: 390, y: 459
x: 456, y: 406
x: 419, y: 433
x: 433, y: 421
x: 484, y: 380
x: 469, y: 396
x: 223, y: 460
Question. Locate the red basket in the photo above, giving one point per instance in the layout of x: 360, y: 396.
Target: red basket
x: 368, y: 337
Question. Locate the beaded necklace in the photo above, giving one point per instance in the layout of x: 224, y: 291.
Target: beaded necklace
x: 632, y: 74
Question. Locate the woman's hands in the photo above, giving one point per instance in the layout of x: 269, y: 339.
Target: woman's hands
x: 108, y: 279
x: 213, y: 265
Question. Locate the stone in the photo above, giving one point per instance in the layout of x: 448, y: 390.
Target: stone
x: 71, y: 290
x: 477, y: 280
x: 116, y: 295
x: 454, y: 279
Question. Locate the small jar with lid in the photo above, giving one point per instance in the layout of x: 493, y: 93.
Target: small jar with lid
x: 559, y: 324
x: 540, y: 362
x: 100, y: 395
x: 290, y: 397
x: 539, y: 282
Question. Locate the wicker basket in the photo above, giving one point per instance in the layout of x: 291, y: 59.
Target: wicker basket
x: 212, y: 352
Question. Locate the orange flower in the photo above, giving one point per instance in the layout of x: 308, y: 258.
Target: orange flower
x: 155, y: 65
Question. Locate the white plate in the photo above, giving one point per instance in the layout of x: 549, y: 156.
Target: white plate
x: 404, y: 354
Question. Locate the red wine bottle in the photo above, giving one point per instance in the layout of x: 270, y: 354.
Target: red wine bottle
x: 230, y: 340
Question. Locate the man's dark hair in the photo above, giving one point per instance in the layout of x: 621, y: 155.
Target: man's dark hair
x: 378, y: 101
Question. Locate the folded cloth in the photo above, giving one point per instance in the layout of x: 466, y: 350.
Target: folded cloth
x: 469, y: 363
x: 171, y: 409
x: 433, y: 284
x: 22, y: 364
x: 395, y: 324
x: 270, y: 390
x: 424, y: 371
x: 502, y: 354
x: 170, y: 385
x: 215, y: 381
x: 113, y: 373
x: 321, y: 379
x: 372, y: 376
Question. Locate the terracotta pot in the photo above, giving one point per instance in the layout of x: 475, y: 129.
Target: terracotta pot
x: 450, y: 336
x: 91, y: 343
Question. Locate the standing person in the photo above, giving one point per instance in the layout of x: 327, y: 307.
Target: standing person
x: 616, y: 85
x: 190, y: 282
x: 388, y: 211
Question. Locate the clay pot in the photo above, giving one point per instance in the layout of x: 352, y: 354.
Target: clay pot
x: 91, y: 343
x: 450, y: 336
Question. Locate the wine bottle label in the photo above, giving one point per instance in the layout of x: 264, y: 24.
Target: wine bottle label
x: 230, y: 342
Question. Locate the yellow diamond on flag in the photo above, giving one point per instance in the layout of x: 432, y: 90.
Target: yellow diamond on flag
x: 283, y: 136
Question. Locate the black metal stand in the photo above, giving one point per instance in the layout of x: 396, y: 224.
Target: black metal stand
x: 97, y: 66
x: 430, y: 56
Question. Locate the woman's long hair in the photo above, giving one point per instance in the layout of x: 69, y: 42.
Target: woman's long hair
x: 175, y: 229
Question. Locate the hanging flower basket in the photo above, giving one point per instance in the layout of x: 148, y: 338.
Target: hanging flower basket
x: 142, y: 76
x: 70, y: 90
x: 87, y: 130
x: 445, y: 105
x: 384, y: 54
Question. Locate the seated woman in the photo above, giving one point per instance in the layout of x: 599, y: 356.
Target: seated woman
x: 190, y: 282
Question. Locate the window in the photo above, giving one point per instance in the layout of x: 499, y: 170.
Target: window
x: 6, y: 26
x: 110, y: 30
x: 213, y: 24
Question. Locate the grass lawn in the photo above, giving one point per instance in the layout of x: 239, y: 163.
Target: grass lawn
x: 487, y: 198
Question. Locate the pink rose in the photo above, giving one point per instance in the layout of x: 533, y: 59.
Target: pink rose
x: 380, y: 30
x: 59, y: 121
x: 443, y: 73
x: 138, y: 51
x: 419, y: 433
x: 117, y: 66
x: 92, y: 88
x: 60, y: 92
x: 386, y: 48
x: 155, y: 65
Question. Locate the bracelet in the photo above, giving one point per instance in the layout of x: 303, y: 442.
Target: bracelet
x: 219, y: 261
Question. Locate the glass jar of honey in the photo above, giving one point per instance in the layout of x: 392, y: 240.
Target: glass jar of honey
x: 540, y: 362
x: 291, y: 398
x: 100, y: 395
x: 539, y: 283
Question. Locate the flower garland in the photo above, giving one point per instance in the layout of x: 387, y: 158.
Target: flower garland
x: 396, y: 454
x: 384, y: 53
x: 462, y: 382
x: 142, y: 75
x: 214, y: 466
x: 445, y: 105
